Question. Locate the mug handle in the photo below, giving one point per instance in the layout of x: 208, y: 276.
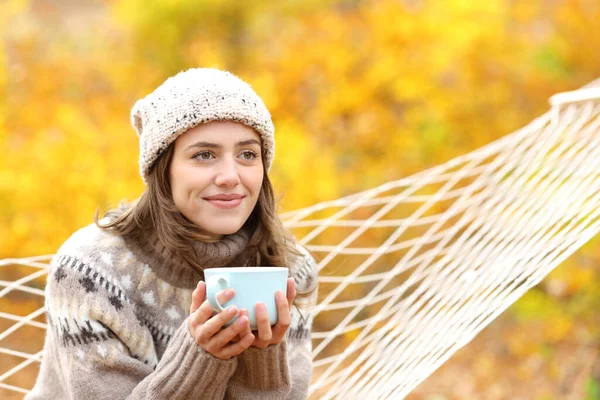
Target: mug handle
x: 214, y: 285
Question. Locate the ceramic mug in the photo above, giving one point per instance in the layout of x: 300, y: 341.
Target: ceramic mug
x: 251, y: 285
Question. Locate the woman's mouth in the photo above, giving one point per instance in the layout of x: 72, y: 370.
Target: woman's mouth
x: 225, y: 201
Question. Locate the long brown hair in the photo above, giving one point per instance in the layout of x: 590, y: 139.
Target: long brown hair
x: 269, y: 244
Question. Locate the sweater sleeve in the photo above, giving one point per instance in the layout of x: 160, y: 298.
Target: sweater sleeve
x: 281, y: 371
x: 96, y: 348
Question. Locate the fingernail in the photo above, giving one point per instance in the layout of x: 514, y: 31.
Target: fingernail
x: 231, y: 309
x: 279, y: 294
x: 229, y: 292
x: 241, y: 321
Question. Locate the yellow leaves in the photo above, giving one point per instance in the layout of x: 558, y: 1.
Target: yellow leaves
x: 579, y: 279
x: 522, y: 343
x: 206, y: 52
x: 351, y: 335
x: 298, y: 159
x: 21, y: 226
x: 10, y: 8
x: 524, y: 11
x: 483, y: 363
x: 267, y: 88
x: 568, y: 281
x: 560, y: 328
x: 532, y: 335
x: 360, y: 94
x: 74, y: 124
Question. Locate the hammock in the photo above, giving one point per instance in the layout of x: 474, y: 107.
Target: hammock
x: 412, y: 270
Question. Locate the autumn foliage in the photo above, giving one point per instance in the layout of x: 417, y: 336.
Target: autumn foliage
x: 361, y: 92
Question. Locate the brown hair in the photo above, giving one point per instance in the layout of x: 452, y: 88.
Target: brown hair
x: 269, y: 244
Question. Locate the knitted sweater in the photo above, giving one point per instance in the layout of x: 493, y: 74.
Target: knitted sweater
x: 117, y: 312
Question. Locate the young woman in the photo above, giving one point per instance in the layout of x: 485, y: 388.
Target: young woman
x: 125, y: 298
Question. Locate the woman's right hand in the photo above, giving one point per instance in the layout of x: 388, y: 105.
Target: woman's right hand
x: 207, y: 331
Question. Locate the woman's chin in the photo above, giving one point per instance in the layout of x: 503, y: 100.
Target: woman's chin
x: 220, y: 229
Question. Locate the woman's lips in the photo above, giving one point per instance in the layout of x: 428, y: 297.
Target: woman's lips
x: 226, y: 204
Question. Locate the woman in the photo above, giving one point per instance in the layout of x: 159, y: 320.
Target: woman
x: 125, y: 298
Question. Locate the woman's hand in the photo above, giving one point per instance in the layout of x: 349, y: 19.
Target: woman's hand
x: 207, y: 331
x: 268, y: 335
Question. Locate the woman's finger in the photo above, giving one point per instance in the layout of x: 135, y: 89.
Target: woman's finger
x: 214, y: 325
x: 262, y: 322
x: 224, y: 296
x: 291, y: 291
x: 198, y: 296
x: 223, y: 337
x: 248, y: 330
x: 205, y: 311
x: 283, y: 316
x: 237, y: 348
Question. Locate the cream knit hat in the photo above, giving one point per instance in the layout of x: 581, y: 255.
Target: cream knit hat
x: 193, y: 97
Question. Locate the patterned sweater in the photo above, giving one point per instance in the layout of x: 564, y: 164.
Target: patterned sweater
x: 117, y: 314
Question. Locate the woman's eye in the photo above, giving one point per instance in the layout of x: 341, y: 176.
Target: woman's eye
x: 249, y: 155
x: 203, y: 155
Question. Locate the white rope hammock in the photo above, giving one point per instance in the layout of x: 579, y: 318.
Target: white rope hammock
x: 412, y: 270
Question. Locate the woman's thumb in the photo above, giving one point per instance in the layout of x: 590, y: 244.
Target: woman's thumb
x: 198, y: 296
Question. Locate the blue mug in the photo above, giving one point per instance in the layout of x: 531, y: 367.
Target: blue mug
x: 251, y: 285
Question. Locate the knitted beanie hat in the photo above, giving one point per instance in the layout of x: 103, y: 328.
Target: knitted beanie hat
x: 193, y: 97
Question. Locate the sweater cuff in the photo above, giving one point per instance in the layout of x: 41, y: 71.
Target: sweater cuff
x: 191, y: 370
x: 271, y: 362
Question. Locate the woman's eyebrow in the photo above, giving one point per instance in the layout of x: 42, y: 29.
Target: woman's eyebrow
x: 204, y: 144
x: 218, y: 146
x: 247, y: 142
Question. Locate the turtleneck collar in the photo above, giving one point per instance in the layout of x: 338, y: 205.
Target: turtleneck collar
x: 172, y: 268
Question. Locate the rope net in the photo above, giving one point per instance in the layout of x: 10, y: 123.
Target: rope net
x: 412, y: 270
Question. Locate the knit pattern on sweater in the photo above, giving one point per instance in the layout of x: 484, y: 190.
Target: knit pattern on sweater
x: 110, y: 315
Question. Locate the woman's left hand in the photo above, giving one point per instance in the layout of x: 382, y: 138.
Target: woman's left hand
x: 268, y: 335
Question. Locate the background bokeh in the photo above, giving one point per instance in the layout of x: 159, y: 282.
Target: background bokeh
x: 361, y: 92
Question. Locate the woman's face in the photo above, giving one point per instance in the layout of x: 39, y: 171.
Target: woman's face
x: 216, y: 175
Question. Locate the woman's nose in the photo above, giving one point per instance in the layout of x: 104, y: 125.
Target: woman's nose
x: 227, y: 174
